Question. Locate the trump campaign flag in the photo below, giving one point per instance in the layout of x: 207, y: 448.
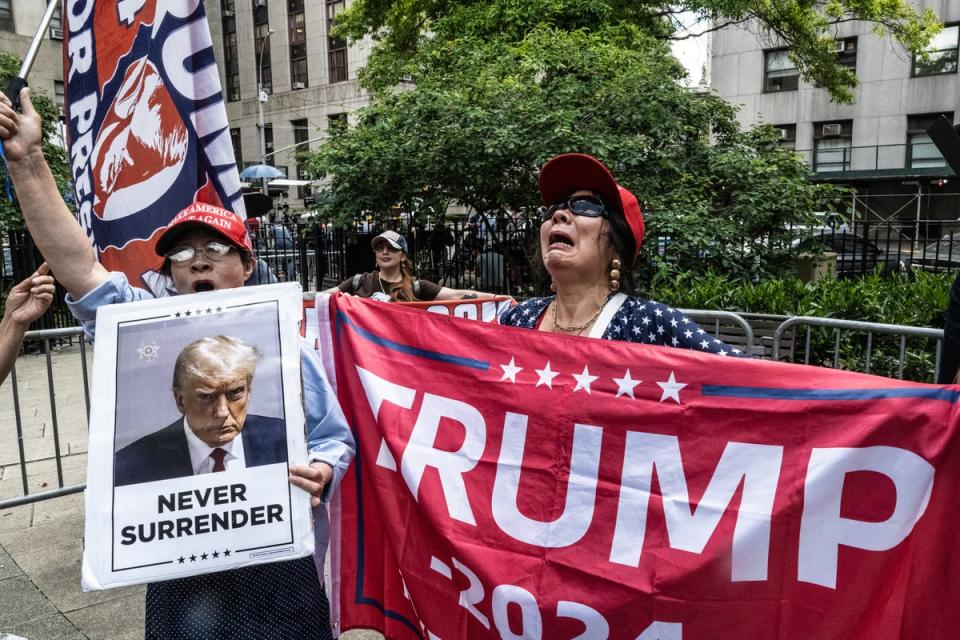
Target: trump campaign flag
x: 517, y: 484
x: 147, y: 125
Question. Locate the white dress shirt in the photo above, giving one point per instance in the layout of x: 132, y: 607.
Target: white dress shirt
x: 200, y: 458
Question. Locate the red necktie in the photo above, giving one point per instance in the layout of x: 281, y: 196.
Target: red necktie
x: 218, y: 455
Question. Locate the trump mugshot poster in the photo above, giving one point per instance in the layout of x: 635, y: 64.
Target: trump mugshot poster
x: 195, y: 417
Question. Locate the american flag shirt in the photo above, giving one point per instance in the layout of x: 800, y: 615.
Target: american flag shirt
x: 637, y: 320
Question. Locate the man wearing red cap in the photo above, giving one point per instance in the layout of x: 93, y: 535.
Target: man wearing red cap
x: 204, y: 248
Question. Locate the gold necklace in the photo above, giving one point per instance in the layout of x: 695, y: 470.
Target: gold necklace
x: 574, y: 328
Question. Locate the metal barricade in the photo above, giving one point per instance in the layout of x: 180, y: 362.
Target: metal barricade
x: 728, y: 327
x: 870, y: 328
x: 45, y: 340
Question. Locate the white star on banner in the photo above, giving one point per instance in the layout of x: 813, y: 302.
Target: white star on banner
x: 625, y: 385
x: 510, y: 371
x: 583, y: 379
x: 671, y: 389
x: 546, y: 375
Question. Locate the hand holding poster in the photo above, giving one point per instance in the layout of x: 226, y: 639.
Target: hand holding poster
x: 511, y: 483
x: 195, y: 418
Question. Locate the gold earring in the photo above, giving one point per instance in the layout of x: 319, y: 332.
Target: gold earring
x: 615, y: 275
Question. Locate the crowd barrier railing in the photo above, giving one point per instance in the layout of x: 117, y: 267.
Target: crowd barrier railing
x: 735, y: 329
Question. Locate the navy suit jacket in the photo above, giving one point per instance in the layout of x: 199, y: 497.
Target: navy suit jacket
x: 164, y: 454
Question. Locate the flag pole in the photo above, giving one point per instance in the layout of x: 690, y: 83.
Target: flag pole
x: 15, y: 84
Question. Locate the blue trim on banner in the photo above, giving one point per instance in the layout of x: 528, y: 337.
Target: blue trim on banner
x: 767, y: 393
x: 407, y: 349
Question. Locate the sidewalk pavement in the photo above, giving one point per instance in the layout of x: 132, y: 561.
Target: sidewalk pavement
x: 41, y: 543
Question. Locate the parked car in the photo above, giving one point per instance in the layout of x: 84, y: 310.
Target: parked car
x: 942, y: 255
x: 855, y: 255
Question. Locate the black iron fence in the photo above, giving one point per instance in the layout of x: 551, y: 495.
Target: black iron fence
x: 486, y: 254
x: 493, y: 254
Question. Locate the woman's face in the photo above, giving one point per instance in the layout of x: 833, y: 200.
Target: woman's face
x: 387, y: 256
x: 577, y: 246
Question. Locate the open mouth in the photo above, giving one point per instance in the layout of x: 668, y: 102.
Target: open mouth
x: 558, y: 237
x: 203, y: 285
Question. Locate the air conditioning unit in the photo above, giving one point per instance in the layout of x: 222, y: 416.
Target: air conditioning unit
x: 298, y: 85
x: 784, y: 133
x: 260, y: 4
x: 834, y: 129
x: 56, y: 34
x: 227, y: 14
x: 839, y: 46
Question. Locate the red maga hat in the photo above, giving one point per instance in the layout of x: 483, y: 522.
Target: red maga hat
x: 208, y: 217
x: 569, y: 172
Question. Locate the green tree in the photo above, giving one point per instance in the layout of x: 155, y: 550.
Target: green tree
x: 485, y: 108
x: 402, y: 27
x: 56, y: 156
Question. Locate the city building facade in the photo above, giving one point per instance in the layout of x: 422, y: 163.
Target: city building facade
x: 278, y: 56
x: 19, y: 20
x: 878, y: 144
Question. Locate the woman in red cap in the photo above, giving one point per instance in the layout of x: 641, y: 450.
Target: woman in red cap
x: 589, y: 241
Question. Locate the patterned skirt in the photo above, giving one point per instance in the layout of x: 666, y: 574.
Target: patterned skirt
x: 279, y: 600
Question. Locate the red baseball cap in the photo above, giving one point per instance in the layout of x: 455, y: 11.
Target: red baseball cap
x: 207, y: 217
x: 569, y: 172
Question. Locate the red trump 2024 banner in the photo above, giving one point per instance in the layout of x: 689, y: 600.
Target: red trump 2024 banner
x: 514, y: 484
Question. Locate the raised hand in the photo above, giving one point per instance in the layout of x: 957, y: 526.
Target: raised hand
x: 31, y: 298
x: 20, y: 132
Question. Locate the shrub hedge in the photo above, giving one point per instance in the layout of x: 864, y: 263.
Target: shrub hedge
x: 917, y: 299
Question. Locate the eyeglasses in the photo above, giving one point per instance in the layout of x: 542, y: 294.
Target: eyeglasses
x: 214, y: 251
x: 586, y: 206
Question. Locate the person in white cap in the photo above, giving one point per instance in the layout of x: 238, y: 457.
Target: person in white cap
x: 204, y: 248
x: 393, y: 281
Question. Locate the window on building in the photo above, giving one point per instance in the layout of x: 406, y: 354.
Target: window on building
x: 56, y: 23
x: 268, y: 139
x: 298, y: 44
x: 237, y: 145
x: 942, y: 52
x: 847, y: 53
x: 832, y: 146
x: 260, y: 12
x: 336, y: 47
x: 301, y: 133
x: 6, y: 15
x: 779, y: 73
x: 788, y: 135
x: 922, y: 153
x: 336, y: 121
x: 60, y: 96
x: 231, y: 56
x: 233, y: 87
x: 296, y: 26
x: 227, y: 8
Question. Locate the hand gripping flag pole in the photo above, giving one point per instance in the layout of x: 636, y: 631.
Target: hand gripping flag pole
x: 18, y: 82
x: 15, y: 84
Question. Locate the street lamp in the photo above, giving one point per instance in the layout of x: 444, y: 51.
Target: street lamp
x: 261, y: 98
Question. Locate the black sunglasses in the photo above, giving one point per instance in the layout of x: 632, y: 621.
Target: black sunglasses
x: 587, y: 206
